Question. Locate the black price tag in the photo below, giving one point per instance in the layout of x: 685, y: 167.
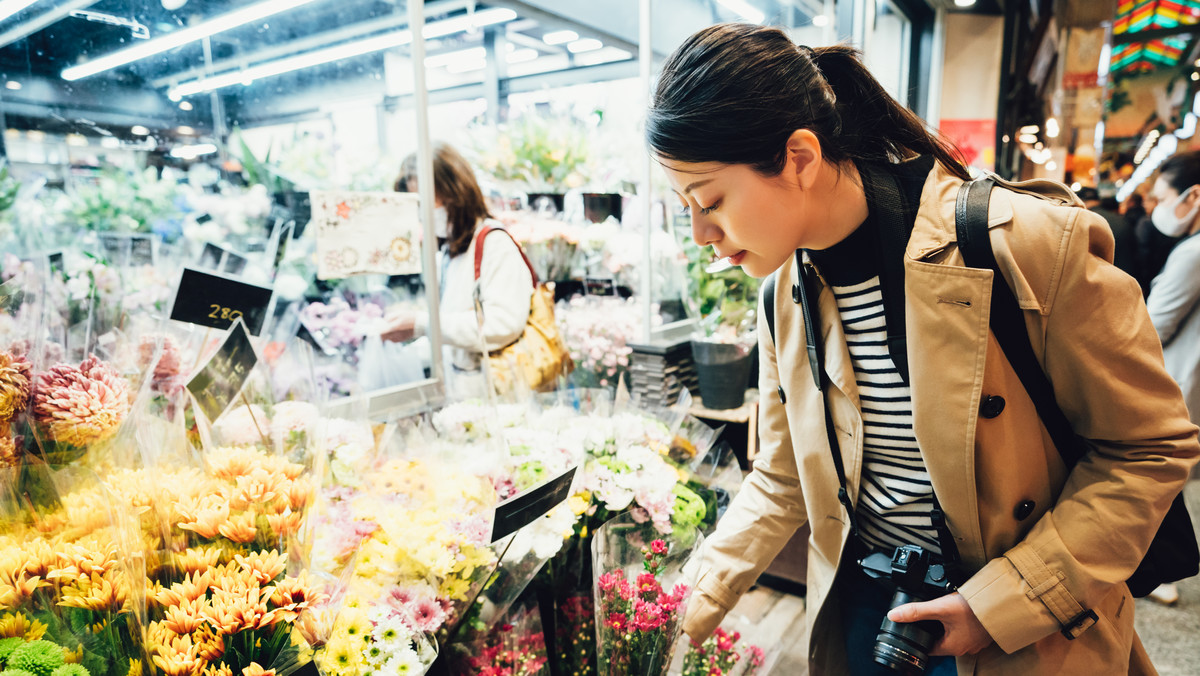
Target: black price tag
x: 219, y: 382
x: 123, y: 250
x: 210, y: 300
x: 210, y: 257
x: 141, y: 250
x: 515, y: 513
x: 56, y: 262
x: 600, y: 286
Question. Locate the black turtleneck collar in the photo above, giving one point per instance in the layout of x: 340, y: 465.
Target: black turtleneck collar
x: 856, y: 258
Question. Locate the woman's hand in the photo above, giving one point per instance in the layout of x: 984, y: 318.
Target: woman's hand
x: 964, y: 634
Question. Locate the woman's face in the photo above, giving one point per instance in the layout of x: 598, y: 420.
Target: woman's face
x: 1163, y: 193
x: 757, y: 221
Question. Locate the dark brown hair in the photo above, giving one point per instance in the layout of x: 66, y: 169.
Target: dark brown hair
x: 1181, y: 171
x: 733, y: 93
x: 455, y: 185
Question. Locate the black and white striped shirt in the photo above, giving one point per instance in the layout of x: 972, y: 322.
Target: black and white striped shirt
x: 895, y: 495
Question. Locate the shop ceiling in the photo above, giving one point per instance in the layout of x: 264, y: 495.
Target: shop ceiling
x: 91, y: 64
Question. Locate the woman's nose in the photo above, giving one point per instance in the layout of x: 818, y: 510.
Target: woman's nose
x: 704, y: 231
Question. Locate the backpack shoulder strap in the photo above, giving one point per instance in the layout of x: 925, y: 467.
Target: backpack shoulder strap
x: 1007, y: 319
x: 769, y: 304
x: 479, y: 238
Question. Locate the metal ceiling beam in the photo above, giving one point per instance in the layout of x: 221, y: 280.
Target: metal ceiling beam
x: 559, y: 18
x: 343, y: 34
x: 1154, y: 34
x: 24, y: 30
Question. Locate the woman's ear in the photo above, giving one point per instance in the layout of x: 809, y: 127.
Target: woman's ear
x: 804, y: 158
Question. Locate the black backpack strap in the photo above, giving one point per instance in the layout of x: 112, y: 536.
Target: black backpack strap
x: 769, y: 304
x: 1007, y: 318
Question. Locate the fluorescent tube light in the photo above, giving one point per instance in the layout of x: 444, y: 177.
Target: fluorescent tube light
x: 744, y: 10
x: 181, y: 37
x: 560, y: 37
x: 584, y: 45
x: 522, y: 55
x: 10, y: 7
x: 347, y: 50
x: 451, y: 58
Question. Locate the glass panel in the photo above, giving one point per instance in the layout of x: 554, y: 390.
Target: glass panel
x: 886, y: 47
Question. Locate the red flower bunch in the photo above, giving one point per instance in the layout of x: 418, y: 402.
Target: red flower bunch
x: 720, y: 654
x: 641, y: 618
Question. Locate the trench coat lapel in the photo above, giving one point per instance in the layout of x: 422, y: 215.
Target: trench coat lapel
x: 947, y: 311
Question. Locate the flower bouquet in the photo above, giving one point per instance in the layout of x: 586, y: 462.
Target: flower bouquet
x: 597, y: 330
x: 71, y: 601
x: 639, y: 616
x: 723, y: 654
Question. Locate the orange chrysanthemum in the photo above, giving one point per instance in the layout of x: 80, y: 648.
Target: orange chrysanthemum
x: 262, y: 566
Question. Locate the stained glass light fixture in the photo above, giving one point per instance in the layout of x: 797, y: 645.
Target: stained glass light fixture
x: 1136, y: 16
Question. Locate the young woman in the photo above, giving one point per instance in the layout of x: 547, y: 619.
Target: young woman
x: 506, y: 285
x: 777, y: 149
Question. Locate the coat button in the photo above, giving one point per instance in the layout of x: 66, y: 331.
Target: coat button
x: 1023, y: 510
x: 991, y: 406
x: 796, y: 293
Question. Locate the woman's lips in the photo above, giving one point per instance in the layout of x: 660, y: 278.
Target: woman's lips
x: 723, y: 264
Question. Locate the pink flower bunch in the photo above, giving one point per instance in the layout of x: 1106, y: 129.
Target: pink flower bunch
x: 596, y: 330
x: 720, y: 654
x: 642, y: 617
x: 339, y: 324
x: 80, y: 405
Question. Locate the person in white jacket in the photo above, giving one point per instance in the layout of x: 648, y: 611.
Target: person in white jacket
x: 1174, y: 300
x: 505, y: 282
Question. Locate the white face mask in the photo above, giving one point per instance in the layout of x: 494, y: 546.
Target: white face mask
x: 441, y: 223
x: 1164, y: 218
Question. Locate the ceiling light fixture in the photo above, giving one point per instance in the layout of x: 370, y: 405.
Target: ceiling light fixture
x: 964, y: 3
x: 1052, y: 129
x: 471, y: 55
x: 522, y: 55
x: 560, y: 37
x: 347, y: 50
x: 10, y: 7
x: 744, y: 10
x: 584, y: 45
x: 185, y: 105
x: 139, y: 130
x: 1027, y: 138
x: 820, y: 21
x: 13, y: 85
x: 181, y: 37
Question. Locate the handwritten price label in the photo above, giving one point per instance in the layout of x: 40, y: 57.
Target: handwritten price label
x: 213, y: 301
x: 218, y: 383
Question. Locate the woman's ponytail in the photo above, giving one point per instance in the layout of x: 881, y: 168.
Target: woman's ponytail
x: 733, y: 93
x: 874, y: 126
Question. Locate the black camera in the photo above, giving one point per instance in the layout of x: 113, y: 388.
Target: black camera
x: 904, y: 647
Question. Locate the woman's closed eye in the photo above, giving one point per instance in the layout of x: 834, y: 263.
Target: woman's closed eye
x: 687, y: 209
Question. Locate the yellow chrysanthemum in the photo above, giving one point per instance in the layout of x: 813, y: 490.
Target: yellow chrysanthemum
x: 18, y: 625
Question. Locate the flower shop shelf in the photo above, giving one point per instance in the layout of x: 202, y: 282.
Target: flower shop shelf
x: 746, y: 414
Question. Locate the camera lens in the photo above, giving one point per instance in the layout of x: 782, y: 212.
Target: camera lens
x: 904, y: 646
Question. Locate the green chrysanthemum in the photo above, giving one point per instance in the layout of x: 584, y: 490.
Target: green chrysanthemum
x: 16, y: 672
x: 37, y: 657
x: 71, y: 670
x: 7, y: 646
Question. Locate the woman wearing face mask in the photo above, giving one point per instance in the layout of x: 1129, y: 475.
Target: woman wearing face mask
x: 1174, y: 300
x: 792, y: 158
x: 506, y: 285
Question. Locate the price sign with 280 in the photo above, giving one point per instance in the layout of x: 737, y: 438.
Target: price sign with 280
x: 215, y: 301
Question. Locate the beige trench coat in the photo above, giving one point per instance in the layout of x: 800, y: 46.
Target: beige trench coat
x: 1089, y: 528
